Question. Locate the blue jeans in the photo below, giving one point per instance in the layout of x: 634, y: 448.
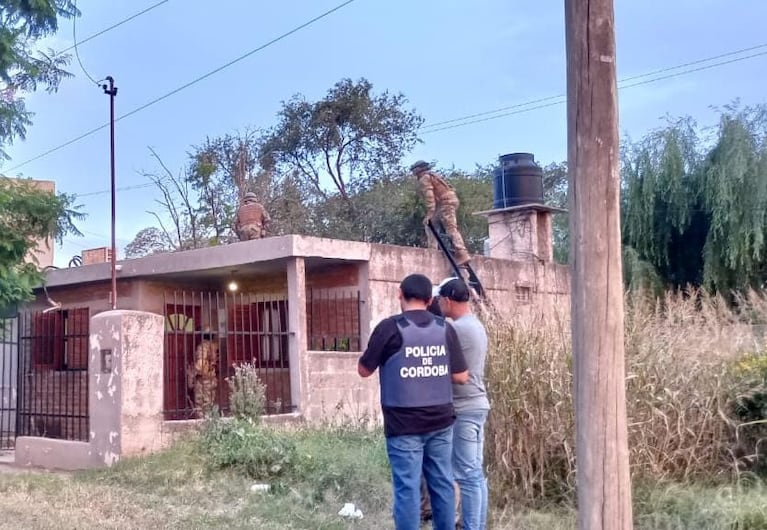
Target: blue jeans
x: 431, y: 453
x: 468, y: 447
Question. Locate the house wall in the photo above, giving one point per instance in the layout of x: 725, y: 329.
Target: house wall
x: 514, y: 289
x: 94, y: 296
x: 328, y: 381
x: 337, y: 394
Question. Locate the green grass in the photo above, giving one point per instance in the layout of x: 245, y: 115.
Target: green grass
x: 180, y: 489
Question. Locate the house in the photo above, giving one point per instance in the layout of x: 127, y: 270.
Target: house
x: 300, y: 308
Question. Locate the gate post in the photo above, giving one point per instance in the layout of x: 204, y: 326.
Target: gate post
x: 126, y: 384
x: 9, y: 368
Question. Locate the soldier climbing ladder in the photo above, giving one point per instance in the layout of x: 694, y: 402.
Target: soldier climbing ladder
x: 472, y: 281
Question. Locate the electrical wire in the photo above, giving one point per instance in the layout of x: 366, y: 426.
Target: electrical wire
x: 186, y: 85
x: 562, y: 98
x: 77, y: 53
x: 559, y: 100
x: 113, y: 26
x: 624, y: 80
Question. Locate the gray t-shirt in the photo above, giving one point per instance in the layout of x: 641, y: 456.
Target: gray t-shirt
x: 473, y: 338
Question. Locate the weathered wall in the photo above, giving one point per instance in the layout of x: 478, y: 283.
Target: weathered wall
x: 516, y: 289
x: 94, y: 296
x: 337, y: 393
x: 126, y: 384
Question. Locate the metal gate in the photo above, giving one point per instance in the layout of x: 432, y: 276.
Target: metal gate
x: 9, y: 368
x: 44, y: 375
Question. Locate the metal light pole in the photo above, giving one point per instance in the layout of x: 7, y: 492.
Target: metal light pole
x: 111, y: 91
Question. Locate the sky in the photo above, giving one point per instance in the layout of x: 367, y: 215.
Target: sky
x: 450, y: 58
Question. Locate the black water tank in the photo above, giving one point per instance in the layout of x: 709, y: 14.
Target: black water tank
x: 517, y: 180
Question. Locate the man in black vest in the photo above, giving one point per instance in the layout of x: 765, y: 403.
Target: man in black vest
x: 418, y: 356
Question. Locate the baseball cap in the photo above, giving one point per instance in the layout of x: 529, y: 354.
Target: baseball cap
x: 454, y: 289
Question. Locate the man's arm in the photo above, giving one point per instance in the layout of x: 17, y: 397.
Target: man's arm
x: 382, y: 340
x: 459, y: 370
x: 426, y: 188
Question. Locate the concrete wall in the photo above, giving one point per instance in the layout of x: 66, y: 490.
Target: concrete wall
x: 515, y: 289
x: 125, y: 396
x: 325, y: 384
x: 337, y: 393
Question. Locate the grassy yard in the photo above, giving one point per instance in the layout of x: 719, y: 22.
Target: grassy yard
x: 177, y: 489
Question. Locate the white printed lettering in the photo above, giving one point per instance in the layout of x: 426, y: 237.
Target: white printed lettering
x: 425, y: 351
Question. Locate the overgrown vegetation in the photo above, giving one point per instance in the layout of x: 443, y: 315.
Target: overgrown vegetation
x: 686, y: 394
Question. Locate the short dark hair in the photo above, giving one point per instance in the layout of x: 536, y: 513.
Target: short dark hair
x: 416, y: 287
x: 455, y: 290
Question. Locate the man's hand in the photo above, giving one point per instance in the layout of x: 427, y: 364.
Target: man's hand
x: 362, y: 371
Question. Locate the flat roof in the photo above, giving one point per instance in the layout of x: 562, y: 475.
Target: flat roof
x: 257, y: 256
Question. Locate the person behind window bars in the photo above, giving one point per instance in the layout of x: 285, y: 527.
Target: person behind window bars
x: 252, y: 219
x: 202, y: 374
x: 440, y: 198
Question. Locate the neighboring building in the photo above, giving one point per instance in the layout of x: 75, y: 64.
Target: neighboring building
x: 44, y: 250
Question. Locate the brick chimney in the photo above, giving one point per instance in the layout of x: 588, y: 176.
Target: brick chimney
x: 97, y: 255
x: 519, y: 225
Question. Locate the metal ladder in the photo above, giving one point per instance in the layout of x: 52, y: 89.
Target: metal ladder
x: 442, y: 241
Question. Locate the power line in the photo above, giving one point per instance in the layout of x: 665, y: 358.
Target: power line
x: 639, y: 76
x: 561, y: 101
x: 550, y: 101
x: 113, y: 26
x: 77, y: 53
x: 186, y: 85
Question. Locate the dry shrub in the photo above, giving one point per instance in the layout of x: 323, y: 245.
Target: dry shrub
x: 680, y: 354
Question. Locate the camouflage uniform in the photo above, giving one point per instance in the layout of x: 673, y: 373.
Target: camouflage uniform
x: 205, y: 380
x: 440, y: 198
x: 252, y: 219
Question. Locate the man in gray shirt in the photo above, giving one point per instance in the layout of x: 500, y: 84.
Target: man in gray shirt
x: 470, y: 402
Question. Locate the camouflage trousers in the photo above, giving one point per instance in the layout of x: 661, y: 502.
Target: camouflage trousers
x: 251, y: 231
x: 426, y: 502
x: 205, y: 394
x: 447, y: 214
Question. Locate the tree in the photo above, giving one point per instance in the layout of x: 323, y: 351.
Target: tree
x: 198, y: 204
x: 150, y: 240
x: 696, y: 211
x: 28, y: 216
x: 350, y: 137
x: 22, y: 68
x: 223, y: 169
x: 555, y: 194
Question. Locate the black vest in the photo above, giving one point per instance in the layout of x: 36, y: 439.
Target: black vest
x: 418, y: 375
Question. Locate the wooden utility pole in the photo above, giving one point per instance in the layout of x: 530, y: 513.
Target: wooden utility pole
x: 603, y: 480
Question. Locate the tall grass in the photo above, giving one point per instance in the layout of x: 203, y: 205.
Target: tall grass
x: 681, y: 387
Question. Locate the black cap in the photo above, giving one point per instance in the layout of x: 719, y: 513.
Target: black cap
x: 455, y: 290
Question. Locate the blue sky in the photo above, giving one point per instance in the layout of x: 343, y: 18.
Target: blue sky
x: 450, y: 58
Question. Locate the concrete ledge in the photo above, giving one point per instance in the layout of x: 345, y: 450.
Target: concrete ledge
x: 177, y: 428
x: 335, y: 354
x: 54, y: 454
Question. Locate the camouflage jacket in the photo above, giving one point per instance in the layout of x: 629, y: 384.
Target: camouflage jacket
x: 435, y: 190
x: 251, y: 213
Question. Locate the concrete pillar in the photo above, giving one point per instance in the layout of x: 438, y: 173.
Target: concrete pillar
x: 520, y: 233
x: 299, y: 377
x: 126, y: 384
